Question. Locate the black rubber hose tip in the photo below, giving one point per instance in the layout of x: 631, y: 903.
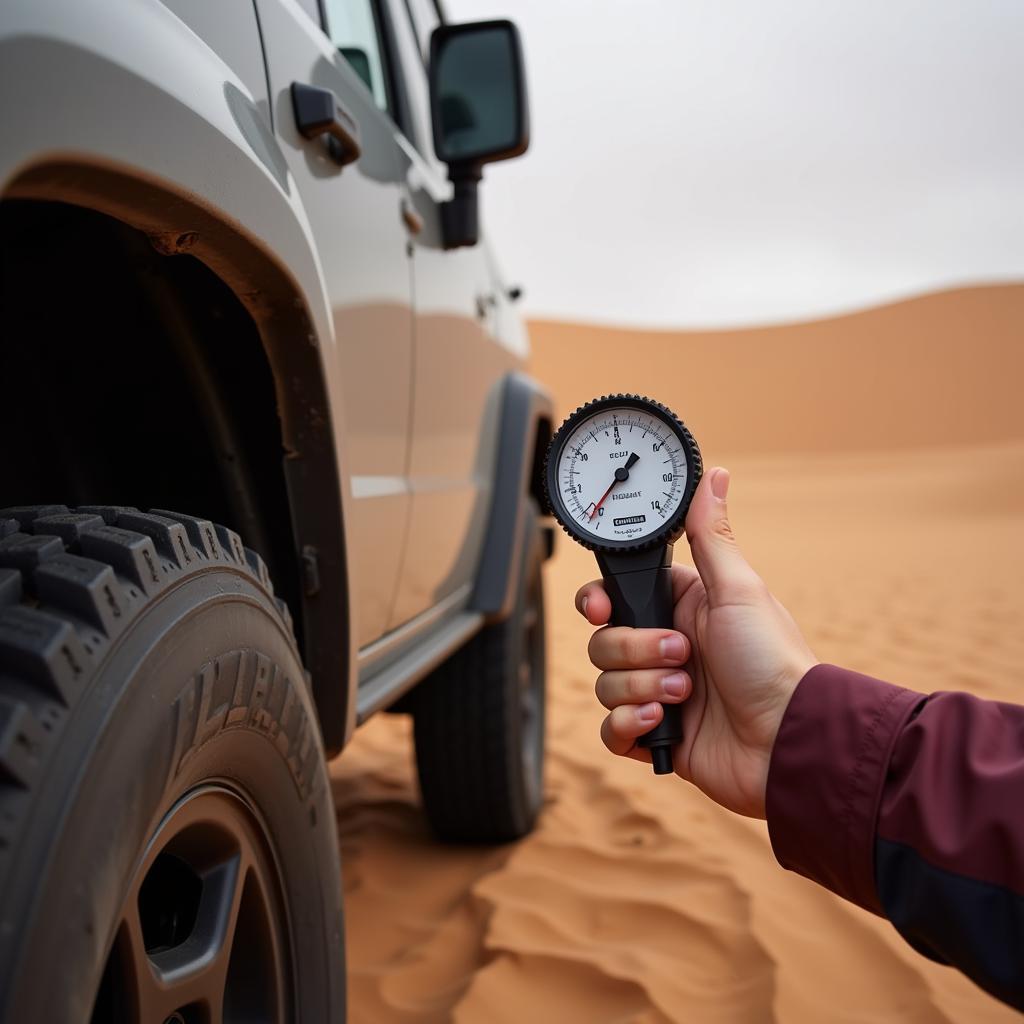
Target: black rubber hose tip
x: 662, y: 758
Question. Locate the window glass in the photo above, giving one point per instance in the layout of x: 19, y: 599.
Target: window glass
x: 352, y: 26
x: 312, y: 8
x: 414, y: 84
x: 424, y: 20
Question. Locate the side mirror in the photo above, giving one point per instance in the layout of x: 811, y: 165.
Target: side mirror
x: 479, y: 112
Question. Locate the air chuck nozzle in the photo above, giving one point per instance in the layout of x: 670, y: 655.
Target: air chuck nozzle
x: 662, y: 758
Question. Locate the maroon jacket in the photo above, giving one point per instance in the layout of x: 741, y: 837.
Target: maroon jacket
x: 912, y: 807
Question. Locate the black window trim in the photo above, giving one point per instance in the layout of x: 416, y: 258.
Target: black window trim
x: 436, y: 4
x: 394, y: 75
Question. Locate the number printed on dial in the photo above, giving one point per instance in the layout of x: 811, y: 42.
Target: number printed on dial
x: 622, y: 473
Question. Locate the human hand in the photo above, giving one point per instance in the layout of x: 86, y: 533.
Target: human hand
x: 735, y: 658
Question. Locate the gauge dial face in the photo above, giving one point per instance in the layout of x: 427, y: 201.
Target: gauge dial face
x: 622, y: 474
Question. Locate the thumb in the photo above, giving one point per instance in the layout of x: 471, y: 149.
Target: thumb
x: 726, y: 574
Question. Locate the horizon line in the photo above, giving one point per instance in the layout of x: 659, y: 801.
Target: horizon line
x: 838, y: 313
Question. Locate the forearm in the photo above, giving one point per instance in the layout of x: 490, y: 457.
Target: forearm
x: 912, y: 807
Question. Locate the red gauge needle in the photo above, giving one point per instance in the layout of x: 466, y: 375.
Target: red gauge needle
x: 603, y: 496
x: 622, y: 473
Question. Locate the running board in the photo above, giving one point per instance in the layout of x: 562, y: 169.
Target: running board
x: 385, y: 687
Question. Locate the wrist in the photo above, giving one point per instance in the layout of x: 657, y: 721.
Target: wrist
x: 784, y: 690
x: 787, y: 686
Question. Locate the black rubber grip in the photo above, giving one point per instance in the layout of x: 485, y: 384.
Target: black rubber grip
x: 643, y: 599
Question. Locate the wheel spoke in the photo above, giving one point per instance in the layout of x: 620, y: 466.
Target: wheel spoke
x: 203, y: 933
x: 195, y: 971
x: 255, y: 988
x: 150, y: 996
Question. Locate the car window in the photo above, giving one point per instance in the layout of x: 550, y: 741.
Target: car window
x: 424, y: 20
x: 354, y: 30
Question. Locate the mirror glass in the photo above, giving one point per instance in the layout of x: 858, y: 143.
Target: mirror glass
x: 476, y: 78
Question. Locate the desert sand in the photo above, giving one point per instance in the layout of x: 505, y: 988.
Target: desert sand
x: 878, y: 486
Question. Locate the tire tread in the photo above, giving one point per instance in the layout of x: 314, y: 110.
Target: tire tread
x: 71, y: 581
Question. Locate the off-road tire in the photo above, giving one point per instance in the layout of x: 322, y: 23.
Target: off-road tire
x: 479, y: 720
x: 149, y: 681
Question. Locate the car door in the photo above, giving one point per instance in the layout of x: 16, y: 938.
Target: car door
x: 459, y: 362
x: 355, y: 215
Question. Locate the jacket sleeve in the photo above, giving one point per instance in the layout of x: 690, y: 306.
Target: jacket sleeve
x: 912, y: 807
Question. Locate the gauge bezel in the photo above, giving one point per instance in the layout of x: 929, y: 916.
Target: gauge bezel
x: 674, y: 525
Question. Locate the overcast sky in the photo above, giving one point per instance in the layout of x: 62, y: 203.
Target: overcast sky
x: 726, y: 162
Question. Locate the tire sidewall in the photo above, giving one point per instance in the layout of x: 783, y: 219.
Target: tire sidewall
x: 151, y: 725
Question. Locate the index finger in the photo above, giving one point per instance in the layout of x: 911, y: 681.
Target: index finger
x: 593, y: 603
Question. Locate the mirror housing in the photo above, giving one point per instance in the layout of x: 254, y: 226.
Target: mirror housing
x: 479, y: 112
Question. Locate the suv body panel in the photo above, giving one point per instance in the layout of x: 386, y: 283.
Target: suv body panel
x: 462, y: 357
x: 355, y: 215
x: 103, y: 117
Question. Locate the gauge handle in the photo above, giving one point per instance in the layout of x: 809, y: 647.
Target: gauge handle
x: 639, y: 585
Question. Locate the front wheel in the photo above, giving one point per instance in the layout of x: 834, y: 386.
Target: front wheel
x: 479, y: 720
x: 167, y: 841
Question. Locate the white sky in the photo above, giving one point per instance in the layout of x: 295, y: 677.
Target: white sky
x: 727, y: 162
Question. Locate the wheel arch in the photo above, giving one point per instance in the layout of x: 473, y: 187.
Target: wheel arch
x: 526, y: 426
x: 122, y: 108
x: 291, y: 334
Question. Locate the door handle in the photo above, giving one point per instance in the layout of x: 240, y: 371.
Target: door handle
x: 319, y: 112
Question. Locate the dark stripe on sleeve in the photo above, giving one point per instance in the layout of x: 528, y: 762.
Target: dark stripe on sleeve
x: 975, y: 926
x: 955, y: 790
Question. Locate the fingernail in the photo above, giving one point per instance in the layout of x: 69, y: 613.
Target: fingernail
x: 672, y: 648
x: 583, y: 605
x: 720, y: 484
x: 674, y: 684
x: 647, y: 712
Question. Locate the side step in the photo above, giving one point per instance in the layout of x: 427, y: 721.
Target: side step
x: 391, y: 682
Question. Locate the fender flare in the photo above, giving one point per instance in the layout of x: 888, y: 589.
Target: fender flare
x: 525, y: 428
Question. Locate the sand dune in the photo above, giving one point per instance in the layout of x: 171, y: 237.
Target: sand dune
x: 897, y: 545
x: 943, y: 368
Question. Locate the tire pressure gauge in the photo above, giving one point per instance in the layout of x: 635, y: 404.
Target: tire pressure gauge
x: 620, y: 474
